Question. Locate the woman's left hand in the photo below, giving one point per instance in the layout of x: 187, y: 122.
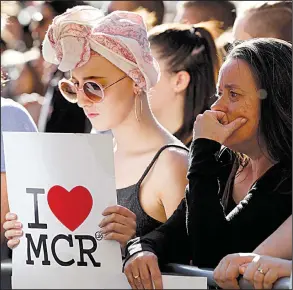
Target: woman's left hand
x: 264, y: 271
x: 228, y: 270
x: 119, y: 224
x: 214, y: 125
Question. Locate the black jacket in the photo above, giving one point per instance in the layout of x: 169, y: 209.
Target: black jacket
x: 200, y: 230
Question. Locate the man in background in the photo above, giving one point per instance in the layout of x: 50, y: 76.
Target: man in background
x: 193, y: 12
x: 266, y: 19
x: 156, y: 9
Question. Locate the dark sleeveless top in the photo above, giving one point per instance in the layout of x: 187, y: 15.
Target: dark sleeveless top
x: 129, y: 198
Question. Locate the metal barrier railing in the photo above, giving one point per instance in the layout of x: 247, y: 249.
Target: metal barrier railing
x: 179, y: 269
x: 176, y: 269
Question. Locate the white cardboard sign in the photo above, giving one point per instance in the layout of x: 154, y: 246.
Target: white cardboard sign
x: 59, y: 185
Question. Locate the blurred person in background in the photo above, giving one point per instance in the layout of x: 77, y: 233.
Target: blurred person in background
x: 193, y: 12
x: 14, y: 118
x: 35, y: 84
x: 155, y: 10
x: 265, y: 19
x: 189, y: 66
x: 56, y: 114
x: 23, y: 77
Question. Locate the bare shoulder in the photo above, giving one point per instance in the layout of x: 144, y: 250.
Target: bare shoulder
x: 173, y: 163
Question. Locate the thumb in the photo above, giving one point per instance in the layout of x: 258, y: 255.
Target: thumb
x: 236, y: 124
x: 242, y: 268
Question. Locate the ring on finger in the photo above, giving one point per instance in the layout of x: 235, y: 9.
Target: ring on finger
x: 260, y: 270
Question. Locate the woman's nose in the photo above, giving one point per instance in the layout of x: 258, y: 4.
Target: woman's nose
x: 83, y: 100
x: 220, y: 105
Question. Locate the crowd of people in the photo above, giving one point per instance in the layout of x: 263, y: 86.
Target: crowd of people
x: 200, y: 111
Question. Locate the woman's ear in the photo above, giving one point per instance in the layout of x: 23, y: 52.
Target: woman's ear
x: 136, y: 88
x: 181, y: 81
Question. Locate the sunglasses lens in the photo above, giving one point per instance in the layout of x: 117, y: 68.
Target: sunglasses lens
x: 93, y: 91
x: 68, y: 91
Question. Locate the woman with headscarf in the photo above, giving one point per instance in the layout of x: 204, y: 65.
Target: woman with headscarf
x: 112, y: 70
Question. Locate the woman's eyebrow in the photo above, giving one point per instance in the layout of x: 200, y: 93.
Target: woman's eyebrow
x: 89, y: 77
x: 232, y: 86
x: 93, y: 77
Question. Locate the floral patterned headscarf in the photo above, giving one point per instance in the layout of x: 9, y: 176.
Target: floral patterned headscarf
x: 120, y: 37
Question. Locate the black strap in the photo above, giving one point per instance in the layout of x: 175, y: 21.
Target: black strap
x: 155, y: 159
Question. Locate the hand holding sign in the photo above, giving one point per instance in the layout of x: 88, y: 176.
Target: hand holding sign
x: 119, y: 224
x: 13, y: 230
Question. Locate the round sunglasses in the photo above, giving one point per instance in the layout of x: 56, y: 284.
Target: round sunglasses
x: 91, y: 89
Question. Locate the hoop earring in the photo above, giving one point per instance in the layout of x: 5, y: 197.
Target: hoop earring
x: 135, y: 107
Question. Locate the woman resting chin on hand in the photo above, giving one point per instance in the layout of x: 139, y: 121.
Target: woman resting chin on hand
x: 240, y: 176
x: 119, y: 224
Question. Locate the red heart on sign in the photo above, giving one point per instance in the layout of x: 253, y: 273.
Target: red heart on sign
x: 71, y: 208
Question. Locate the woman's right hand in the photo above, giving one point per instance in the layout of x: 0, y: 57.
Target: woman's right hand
x: 13, y: 230
x: 143, y: 272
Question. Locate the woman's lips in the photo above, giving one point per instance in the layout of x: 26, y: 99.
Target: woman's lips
x: 92, y: 115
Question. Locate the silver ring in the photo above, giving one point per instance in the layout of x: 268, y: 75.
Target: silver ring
x: 260, y: 270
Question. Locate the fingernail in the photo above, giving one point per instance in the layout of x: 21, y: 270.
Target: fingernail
x: 243, y: 120
x: 102, y: 230
x: 18, y: 233
x: 18, y: 225
x: 11, y: 216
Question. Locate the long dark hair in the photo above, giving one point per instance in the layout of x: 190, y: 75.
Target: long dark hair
x: 271, y: 63
x: 192, y: 50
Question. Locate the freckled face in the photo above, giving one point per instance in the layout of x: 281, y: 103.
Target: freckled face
x: 238, y: 96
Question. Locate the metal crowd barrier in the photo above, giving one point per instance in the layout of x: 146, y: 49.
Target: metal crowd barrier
x: 172, y: 269
x: 179, y: 269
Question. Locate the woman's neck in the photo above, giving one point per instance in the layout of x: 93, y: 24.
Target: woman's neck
x: 171, y: 115
x: 260, y: 162
x: 134, y: 135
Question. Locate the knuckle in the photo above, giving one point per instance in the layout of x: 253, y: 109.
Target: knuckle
x: 126, y: 269
x: 6, y: 226
x: 230, y: 276
x: 112, y: 227
x: 258, y: 277
x: 216, y: 275
x: 156, y: 276
x: 119, y: 209
x: 7, y: 234
x: 116, y: 209
x: 198, y: 117
x: 134, y: 223
x: 231, y: 257
x: 10, y: 244
x: 110, y: 236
